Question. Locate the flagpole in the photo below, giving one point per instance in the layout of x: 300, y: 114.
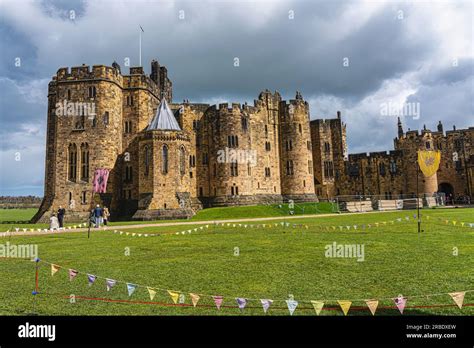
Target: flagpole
x: 140, y: 55
x: 417, y: 198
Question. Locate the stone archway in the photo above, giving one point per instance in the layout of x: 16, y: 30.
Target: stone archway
x: 448, y: 190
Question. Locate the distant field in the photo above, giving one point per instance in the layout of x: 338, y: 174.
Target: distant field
x: 271, y: 263
x: 17, y: 214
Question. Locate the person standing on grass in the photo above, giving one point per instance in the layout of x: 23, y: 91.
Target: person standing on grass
x: 98, y: 215
x: 61, y: 213
x: 106, y: 214
x: 53, y: 222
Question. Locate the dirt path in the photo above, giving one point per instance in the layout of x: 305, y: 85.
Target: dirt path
x: 183, y: 223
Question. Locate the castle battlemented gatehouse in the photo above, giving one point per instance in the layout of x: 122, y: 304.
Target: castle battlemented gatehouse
x: 168, y: 160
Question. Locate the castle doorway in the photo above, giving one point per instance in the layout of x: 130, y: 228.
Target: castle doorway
x: 447, y: 189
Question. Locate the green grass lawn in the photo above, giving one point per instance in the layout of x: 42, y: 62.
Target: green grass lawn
x: 219, y: 213
x: 272, y: 263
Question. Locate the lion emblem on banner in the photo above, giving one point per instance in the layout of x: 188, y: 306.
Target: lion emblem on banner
x: 429, y: 162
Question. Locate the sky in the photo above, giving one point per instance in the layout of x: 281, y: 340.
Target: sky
x: 372, y: 60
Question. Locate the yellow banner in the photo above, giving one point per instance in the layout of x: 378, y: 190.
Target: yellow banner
x: 429, y: 162
x: 195, y: 298
x: 54, y: 269
x: 151, y: 292
x: 174, y: 296
x: 458, y: 298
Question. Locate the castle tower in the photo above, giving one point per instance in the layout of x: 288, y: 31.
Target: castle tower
x: 164, y: 181
x: 296, y: 160
x: 84, y: 134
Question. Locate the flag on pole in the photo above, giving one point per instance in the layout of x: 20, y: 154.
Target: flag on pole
x: 100, y: 180
x: 429, y: 162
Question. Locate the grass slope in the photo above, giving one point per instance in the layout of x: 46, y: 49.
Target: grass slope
x: 272, y: 263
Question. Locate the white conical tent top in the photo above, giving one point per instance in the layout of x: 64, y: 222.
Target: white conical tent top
x: 164, y: 118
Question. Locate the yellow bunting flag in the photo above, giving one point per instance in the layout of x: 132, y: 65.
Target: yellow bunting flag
x: 151, y: 292
x: 458, y: 297
x: 318, y: 306
x: 372, y: 304
x: 429, y: 162
x: 454, y: 223
x: 345, y: 305
x: 54, y: 269
x: 174, y: 296
x: 195, y: 298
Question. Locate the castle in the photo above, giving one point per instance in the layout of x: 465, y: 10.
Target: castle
x: 168, y: 160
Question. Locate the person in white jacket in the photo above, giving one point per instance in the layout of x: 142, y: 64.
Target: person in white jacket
x: 53, y: 222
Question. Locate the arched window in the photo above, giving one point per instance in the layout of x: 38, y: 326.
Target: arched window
x: 72, y: 156
x: 147, y: 159
x: 164, y: 165
x: 84, y: 162
x: 182, y: 160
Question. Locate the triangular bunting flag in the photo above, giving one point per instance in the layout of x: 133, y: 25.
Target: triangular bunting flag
x: 110, y: 283
x: 151, y: 292
x: 131, y: 288
x: 266, y: 304
x: 292, y: 304
x: 318, y: 306
x: 400, y: 301
x: 91, y: 279
x: 372, y: 304
x: 218, y: 301
x: 458, y: 297
x: 174, y: 296
x: 241, y: 302
x: 72, y: 274
x: 54, y: 269
x: 195, y: 298
x: 345, y: 305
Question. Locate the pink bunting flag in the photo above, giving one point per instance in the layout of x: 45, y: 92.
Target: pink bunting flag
x: 400, y: 302
x: 72, y: 274
x: 218, y: 301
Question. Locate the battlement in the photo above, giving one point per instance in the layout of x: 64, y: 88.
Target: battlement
x: 375, y: 155
x: 141, y: 81
x: 84, y: 72
x: 165, y: 135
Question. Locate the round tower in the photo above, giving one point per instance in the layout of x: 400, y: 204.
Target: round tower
x: 296, y: 158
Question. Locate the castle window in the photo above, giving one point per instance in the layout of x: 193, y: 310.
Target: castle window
x: 182, y: 160
x: 106, y: 118
x: 310, y: 167
x: 72, y: 155
x: 164, y: 164
x: 92, y: 92
x: 267, y: 172
x: 327, y: 147
x: 258, y: 185
x: 304, y: 183
x: 328, y: 169
x: 457, y: 144
x: 128, y: 127
x: 147, y: 159
x: 244, y: 124
x: 84, y: 197
x: 308, y: 145
x: 85, y: 162
x: 130, y: 100
x: 267, y: 146
x: 232, y: 141
x: 68, y: 94
x: 300, y: 128
x: 94, y: 122
x: 266, y: 131
x: 289, y: 168
x: 428, y: 145
x: 393, y: 167
x: 128, y: 173
x: 249, y: 169
x: 205, y: 158
x: 289, y: 145
x: 234, y: 171
x: 382, y: 169
x: 200, y: 192
x: 191, y: 175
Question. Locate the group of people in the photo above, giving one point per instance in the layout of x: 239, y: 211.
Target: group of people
x: 56, y: 221
x: 98, y: 216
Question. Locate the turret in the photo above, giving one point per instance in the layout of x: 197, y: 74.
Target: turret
x: 400, y: 128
